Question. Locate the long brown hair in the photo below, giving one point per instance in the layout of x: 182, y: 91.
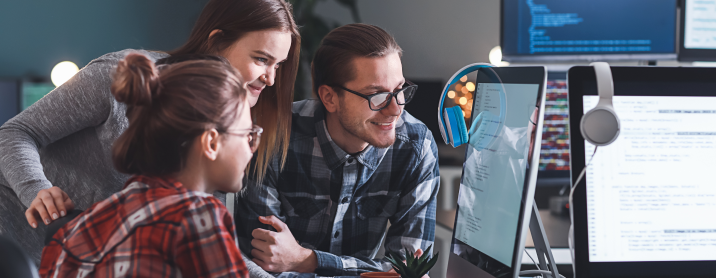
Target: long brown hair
x: 235, y: 18
x: 169, y: 108
x: 333, y: 63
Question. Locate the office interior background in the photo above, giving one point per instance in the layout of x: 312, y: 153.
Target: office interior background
x: 437, y: 37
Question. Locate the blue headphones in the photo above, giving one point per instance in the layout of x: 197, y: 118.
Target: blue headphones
x: 454, y: 130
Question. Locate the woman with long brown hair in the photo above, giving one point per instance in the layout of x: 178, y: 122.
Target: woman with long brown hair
x: 189, y: 134
x: 56, y: 155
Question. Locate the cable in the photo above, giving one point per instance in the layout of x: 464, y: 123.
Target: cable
x: 537, y: 272
x: 533, y: 260
x: 571, y: 210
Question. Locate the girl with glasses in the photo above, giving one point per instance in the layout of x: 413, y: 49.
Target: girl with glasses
x: 189, y: 134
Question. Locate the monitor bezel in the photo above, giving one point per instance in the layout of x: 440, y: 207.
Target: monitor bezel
x: 528, y: 194
x: 662, y: 81
x: 691, y: 54
x: 567, y: 58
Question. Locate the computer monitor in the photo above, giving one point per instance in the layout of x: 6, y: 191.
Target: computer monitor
x: 698, y: 30
x: 10, y: 99
x: 645, y: 207
x: 554, y: 154
x: 587, y: 30
x: 499, y: 173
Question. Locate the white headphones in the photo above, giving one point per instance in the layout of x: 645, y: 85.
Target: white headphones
x: 600, y: 126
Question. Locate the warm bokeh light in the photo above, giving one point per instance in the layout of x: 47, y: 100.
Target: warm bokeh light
x: 495, y: 55
x: 458, y: 87
x: 470, y: 86
x: 62, y: 72
x: 463, y: 101
x: 464, y: 90
x: 468, y: 96
x: 451, y: 94
x: 463, y: 78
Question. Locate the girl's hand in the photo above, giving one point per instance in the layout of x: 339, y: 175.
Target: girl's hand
x: 49, y: 204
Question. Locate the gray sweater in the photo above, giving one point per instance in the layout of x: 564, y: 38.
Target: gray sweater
x: 63, y: 140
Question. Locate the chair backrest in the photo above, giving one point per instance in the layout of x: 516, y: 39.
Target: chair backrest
x: 14, y: 262
x: 59, y: 223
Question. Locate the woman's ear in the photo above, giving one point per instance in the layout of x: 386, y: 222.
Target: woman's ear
x: 213, y: 36
x: 329, y: 97
x: 210, y: 144
x: 213, y: 33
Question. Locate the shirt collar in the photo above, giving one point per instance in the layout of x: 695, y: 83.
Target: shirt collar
x: 156, y: 182
x: 333, y: 154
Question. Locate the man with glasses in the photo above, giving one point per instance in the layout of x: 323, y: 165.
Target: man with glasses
x: 356, y: 161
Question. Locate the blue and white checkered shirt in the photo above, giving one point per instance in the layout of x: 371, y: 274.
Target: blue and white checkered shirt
x: 397, y: 184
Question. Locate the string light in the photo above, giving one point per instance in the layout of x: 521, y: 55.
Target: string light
x: 451, y: 94
x: 463, y: 101
x: 470, y: 86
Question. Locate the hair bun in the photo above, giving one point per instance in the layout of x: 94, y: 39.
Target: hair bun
x: 136, y: 81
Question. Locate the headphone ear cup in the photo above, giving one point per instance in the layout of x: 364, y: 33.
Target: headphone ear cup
x: 600, y: 126
x: 462, y: 127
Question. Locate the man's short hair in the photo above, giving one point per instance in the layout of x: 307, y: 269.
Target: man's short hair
x: 333, y: 63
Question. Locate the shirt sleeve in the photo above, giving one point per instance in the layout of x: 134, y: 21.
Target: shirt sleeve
x: 257, y: 200
x: 206, y: 245
x: 412, y: 226
x: 83, y: 101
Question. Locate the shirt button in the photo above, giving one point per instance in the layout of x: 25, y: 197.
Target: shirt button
x: 345, y: 200
x: 350, y: 160
x: 336, y: 234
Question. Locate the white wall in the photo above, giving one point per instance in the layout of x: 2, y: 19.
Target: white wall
x: 437, y: 37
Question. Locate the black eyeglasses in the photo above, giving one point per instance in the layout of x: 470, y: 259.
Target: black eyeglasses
x: 253, y: 134
x: 381, y: 100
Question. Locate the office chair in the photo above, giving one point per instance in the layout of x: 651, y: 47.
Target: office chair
x: 57, y: 224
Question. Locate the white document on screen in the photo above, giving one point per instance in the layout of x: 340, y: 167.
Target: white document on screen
x: 494, y: 169
x: 651, y: 195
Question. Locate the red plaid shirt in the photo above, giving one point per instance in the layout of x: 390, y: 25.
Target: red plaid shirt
x: 152, y: 228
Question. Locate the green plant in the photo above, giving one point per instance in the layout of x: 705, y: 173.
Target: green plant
x: 412, y: 267
x: 313, y: 28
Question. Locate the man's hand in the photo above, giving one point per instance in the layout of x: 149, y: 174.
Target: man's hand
x: 49, y: 204
x: 418, y: 253
x: 279, y: 251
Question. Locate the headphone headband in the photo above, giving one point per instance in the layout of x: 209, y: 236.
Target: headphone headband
x: 600, y: 126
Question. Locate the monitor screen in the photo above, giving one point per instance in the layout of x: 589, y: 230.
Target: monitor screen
x: 497, y: 181
x: 698, y: 30
x: 554, y: 155
x: 576, y: 30
x: 649, y: 195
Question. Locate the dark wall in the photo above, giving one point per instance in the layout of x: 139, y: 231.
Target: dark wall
x: 37, y: 34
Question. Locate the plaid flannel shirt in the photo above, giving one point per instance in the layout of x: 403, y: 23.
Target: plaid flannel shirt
x: 397, y: 184
x: 152, y: 228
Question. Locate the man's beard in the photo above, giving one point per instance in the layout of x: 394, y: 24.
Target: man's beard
x: 353, y: 127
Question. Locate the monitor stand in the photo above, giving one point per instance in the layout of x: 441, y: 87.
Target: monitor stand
x: 544, y: 252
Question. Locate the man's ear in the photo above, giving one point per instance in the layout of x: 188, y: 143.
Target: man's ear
x: 329, y: 97
x: 210, y: 144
